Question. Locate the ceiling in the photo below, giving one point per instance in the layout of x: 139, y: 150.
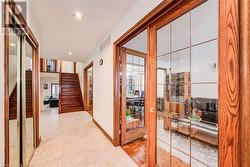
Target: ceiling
x: 60, y: 33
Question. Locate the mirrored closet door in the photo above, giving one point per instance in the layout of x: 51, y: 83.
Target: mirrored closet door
x: 14, y: 50
x: 28, y: 113
x: 21, y: 108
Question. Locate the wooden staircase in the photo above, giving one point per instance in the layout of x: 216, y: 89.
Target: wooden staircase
x: 70, y: 99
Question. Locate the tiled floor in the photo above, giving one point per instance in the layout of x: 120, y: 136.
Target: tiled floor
x: 73, y: 140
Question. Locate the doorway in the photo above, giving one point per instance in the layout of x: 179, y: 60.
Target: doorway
x: 88, y: 88
x: 181, y: 96
x: 50, y: 89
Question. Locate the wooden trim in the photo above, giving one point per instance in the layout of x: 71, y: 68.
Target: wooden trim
x: 36, y: 97
x: 36, y: 68
x: 60, y: 66
x: 176, y: 12
x: 136, y: 53
x: 229, y: 83
x: 89, y: 66
x: 152, y: 96
x: 74, y: 67
x: 244, y: 119
x: 123, y: 96
x: 85, y: 80
x: 6, y: 88
x: 60, y: 92
x: 116, y: 94
x: 104, y: 132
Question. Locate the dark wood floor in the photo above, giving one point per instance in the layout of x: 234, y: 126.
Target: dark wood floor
x: 137, y: 151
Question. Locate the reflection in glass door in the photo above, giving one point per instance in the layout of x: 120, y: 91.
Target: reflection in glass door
x: 187, y: 90
x: 133, y: 87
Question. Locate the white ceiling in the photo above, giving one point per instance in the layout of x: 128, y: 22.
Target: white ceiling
x: 60, y: 33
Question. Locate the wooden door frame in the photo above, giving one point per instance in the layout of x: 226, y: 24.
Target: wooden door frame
x: 142, y: 130
x: 234, y: 76
x: 36, y: 70
x: 85, y: 80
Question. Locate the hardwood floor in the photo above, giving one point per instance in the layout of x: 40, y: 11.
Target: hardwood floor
x: 137, y: 151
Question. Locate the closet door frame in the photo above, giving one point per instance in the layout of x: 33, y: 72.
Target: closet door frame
x: 10, y: 8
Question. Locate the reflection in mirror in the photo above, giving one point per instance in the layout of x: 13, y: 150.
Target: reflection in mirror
x: 29, y: 115
x: 14, y: 88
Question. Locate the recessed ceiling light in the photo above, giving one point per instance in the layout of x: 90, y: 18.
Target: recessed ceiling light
x: 78, y: 16
x: 70, y: 53
x: 13, y: 44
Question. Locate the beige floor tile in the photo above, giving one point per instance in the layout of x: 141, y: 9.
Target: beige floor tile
x: 73, y: 140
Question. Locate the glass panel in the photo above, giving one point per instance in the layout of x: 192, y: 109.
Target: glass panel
x: 29, y: 116
x: 135, y: 71
x: 14, y: 99
x: 187, y: 91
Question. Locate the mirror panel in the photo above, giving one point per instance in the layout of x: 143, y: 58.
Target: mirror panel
x: 14, y: 96
x: 28, y: 115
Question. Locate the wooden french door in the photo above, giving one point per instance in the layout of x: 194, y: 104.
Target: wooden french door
x: 88, y: 88
x: 233, y: 71
x: 183, y: 89
x: 133, y: 124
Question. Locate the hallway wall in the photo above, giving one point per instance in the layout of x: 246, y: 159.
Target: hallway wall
x: 103, y: 75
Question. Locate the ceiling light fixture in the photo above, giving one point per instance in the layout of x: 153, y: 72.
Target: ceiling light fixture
x: 70, y: 53
x: 78, y: 16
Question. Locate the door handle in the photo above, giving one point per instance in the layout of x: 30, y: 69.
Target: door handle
x: 152, y: 110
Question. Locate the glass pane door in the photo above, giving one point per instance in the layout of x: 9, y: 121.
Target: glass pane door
x: 135, y: 71
x: 133, y: 99
x: 187, y: 90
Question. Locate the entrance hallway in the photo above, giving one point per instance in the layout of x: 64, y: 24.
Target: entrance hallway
x: 72, y: 139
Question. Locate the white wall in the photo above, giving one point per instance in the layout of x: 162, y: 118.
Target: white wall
x: 103, y: 75
x: 67, y: 66
x: 79, y: 70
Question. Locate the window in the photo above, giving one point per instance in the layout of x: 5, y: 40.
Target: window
x: 55, y: 90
